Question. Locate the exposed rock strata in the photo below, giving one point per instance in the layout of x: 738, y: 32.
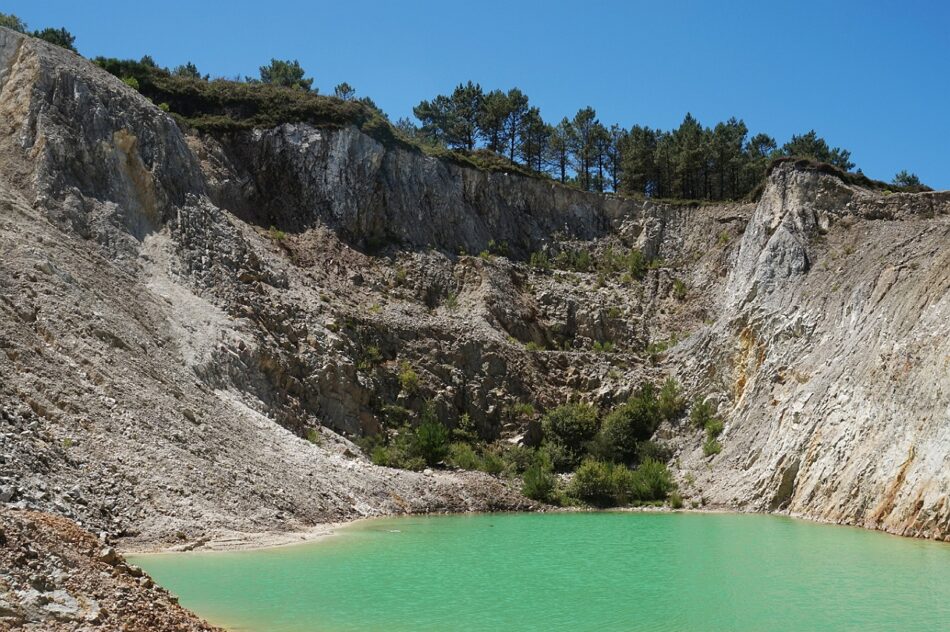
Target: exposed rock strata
x: 165, y: 353
x: 55, y: 576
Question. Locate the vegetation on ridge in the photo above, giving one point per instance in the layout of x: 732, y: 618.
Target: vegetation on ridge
x: 60, y: 36
x: 494, y: 130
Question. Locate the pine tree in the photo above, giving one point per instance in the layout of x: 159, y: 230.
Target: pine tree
x: 516, y: 111
x: 10, y: 21
x: 582, y: 144
x: 491, y: 119
x: 906, y: 179
x: 187, y: 70
x: 60, y: 37
x: 559, y: 148
x: 452, y: 120
x: 344, y: 91
x: 810, y: 145
x: 638, y: 163
x: 535, y: 138
x: 285, y: 73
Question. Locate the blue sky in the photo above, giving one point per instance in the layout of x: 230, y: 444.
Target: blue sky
x: 873, y: 76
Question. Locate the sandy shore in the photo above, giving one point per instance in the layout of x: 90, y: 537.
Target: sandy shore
x: 224, y: 541
x: 241, y: 541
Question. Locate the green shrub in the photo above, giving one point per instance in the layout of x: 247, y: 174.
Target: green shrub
x: 594, y: 482
x: 451, y: 301
x: 582, y: 261
x: 492, y: 463
x: 653, y: 450
x: 395, y: 416
x: 498, y: 248
x: 636, y: 264
x: 701, y: 413
x: 711, y: 446
x: 632, y: 422
x: 671, y: 402
x: 518, y: 459
x: 132, y: 82
x: 465, y: 429
x: 652, y: 481
x: 539, y: 483
x: 603, y: 347
x: 522, y: 410
x: 602, y: 447
x: 276, y: 234
x: 714, y: 427
x: 399, y: 453
x: 606, y: 484
x: 540, y: 260
x: 658, y: 347
x: 555, y: 455
x: 402, y: 275
x: 408, y: 378
x: 569, y: 427
x: 371, y: 356
x: 431, y: 441
x: 533, y: 346
x: 463, y: 456
x: 679, y: 290
x: 676, y: 501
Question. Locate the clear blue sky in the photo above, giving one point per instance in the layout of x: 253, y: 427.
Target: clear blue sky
x: 872, y: 76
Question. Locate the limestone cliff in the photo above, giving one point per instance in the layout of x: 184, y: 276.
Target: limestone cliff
x: 166, y: 351
x: 831, y: 356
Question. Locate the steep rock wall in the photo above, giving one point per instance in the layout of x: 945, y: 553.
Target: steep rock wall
x: 296, y: 176
x: 149, y: 320
x: 831, y: 358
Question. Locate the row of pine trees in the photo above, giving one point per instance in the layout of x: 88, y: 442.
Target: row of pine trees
x: 690, y: 162
x: 722, y: 162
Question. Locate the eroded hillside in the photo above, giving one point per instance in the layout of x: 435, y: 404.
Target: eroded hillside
x: 196, y: 325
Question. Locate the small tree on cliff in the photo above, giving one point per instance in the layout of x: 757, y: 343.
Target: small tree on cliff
x: 344, y: 91
x: 285, y: 73
x: 906, y: 179
x: 10, y: 21
x: 60, y: 37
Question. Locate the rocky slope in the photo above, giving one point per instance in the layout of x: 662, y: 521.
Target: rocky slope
x: 59, y: 577
x: 180, y: 310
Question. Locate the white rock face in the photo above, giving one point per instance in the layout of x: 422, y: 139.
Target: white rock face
x: 164, y: 353
x: 833, y: 349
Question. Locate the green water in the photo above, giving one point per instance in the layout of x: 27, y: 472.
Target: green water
x: 600, y: 571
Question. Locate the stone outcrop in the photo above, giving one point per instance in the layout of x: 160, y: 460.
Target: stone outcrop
x: 56, y: 576
x: 166, y: 352
x: 830, y: 356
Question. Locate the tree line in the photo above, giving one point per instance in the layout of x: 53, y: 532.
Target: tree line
x: 60, y: 36
x: 689, y: 162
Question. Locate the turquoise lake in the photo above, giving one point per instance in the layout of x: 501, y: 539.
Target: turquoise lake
x: 572, y: 571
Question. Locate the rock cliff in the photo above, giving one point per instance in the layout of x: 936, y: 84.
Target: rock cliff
x: 830, y: 355
x: 180, y: 310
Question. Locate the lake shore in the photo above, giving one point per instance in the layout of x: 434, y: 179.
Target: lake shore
x: 231, y: 541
